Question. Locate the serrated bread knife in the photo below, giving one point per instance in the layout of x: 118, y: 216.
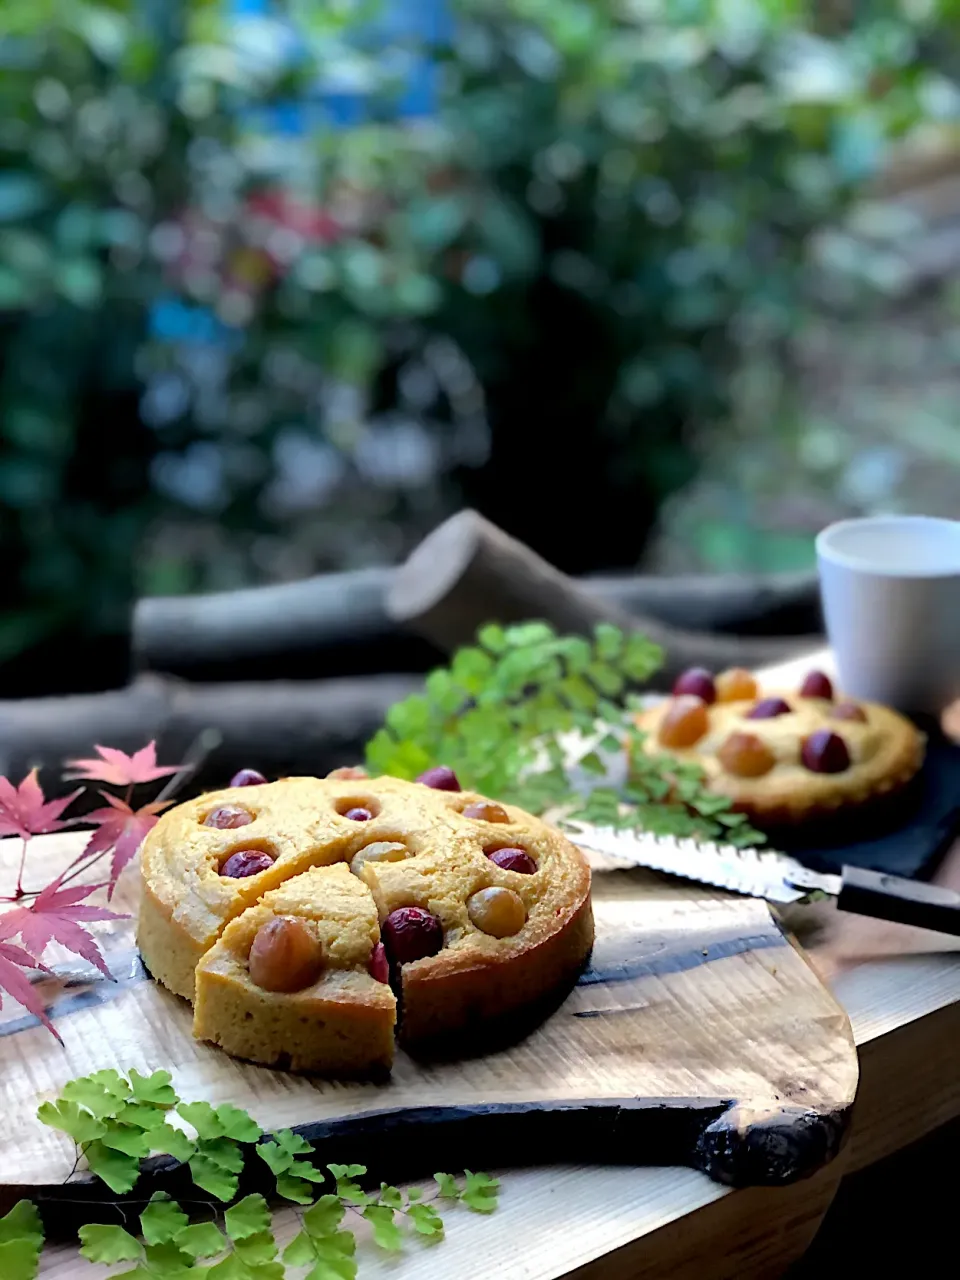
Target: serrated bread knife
x: 775, y: 876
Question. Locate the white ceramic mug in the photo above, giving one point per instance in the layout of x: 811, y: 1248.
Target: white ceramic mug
x: 891, y: 604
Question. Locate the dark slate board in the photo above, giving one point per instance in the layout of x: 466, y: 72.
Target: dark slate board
x: 907, y: 840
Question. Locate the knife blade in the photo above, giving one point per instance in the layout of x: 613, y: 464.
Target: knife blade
x: 776, y: 877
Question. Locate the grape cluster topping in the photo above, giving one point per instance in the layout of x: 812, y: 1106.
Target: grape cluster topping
x: 441, y: 778
x: 228, y: 816
x: 746, y: 755
x: 410, y: 933
x: 769, y: 709
x: 247, y: 778
x: 498, y: 912
x: 685, y: 723
x: 379, y: 851
x: 378, y: 965
x: 286, y: 955
x: 698, y: 682
x: 848, y: 711
x: 358, y: 814
x: 817, y: 685
x: 486, y: 811
x: 513, y: 859
x: 825, y: 752
x: 246, y: 862
x: 735, y: 685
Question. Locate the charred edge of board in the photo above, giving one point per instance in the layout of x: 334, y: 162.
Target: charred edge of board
x: 411, y: 1143
x: 720, y: 1138
x: 787, y: 1144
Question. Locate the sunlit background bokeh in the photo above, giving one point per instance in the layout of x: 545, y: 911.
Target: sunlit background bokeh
x: 657, y: 283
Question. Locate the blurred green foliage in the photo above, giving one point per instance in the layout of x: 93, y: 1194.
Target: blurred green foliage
x: 231, y: 351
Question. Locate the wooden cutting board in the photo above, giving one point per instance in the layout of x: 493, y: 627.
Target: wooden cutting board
x: 697, y: 1035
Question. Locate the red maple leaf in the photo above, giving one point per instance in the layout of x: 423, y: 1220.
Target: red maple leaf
x: 13, y: 961
x: 120, y: 770
x: 121, y: 829
x: 56, y: 916
x: 24, y: 811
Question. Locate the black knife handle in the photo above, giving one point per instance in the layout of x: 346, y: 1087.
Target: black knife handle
x: 885, y: 897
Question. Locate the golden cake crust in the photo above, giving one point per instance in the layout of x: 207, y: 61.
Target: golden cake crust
x: 886, y: 752
x: 196, y: 926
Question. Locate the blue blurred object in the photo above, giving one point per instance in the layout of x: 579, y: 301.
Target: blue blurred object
x: 174, y: 321
x: 422, y: 22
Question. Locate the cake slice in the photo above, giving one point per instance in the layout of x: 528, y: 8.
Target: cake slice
x: 320, y: 929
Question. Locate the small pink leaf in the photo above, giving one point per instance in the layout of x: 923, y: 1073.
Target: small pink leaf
x: 58, y: 915
x: 118, y: 769
x: 14, y: 981
x: 19, y: 956
x: 24, y: 812
x: 121, y: 829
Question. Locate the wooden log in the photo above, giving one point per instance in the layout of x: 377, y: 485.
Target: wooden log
x: 280, y: 727
x: 338, y: 625
x: 324, y: 626
x: 468, y: 572
x: 782, y: 604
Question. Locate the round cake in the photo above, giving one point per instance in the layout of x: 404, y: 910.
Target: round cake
x: 785, y: 756
x: 289, y: 912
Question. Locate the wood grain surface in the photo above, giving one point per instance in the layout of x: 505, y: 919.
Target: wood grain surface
x: 697, y: 1035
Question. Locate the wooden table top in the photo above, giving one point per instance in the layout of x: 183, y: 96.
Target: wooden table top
x: 901, y: 989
